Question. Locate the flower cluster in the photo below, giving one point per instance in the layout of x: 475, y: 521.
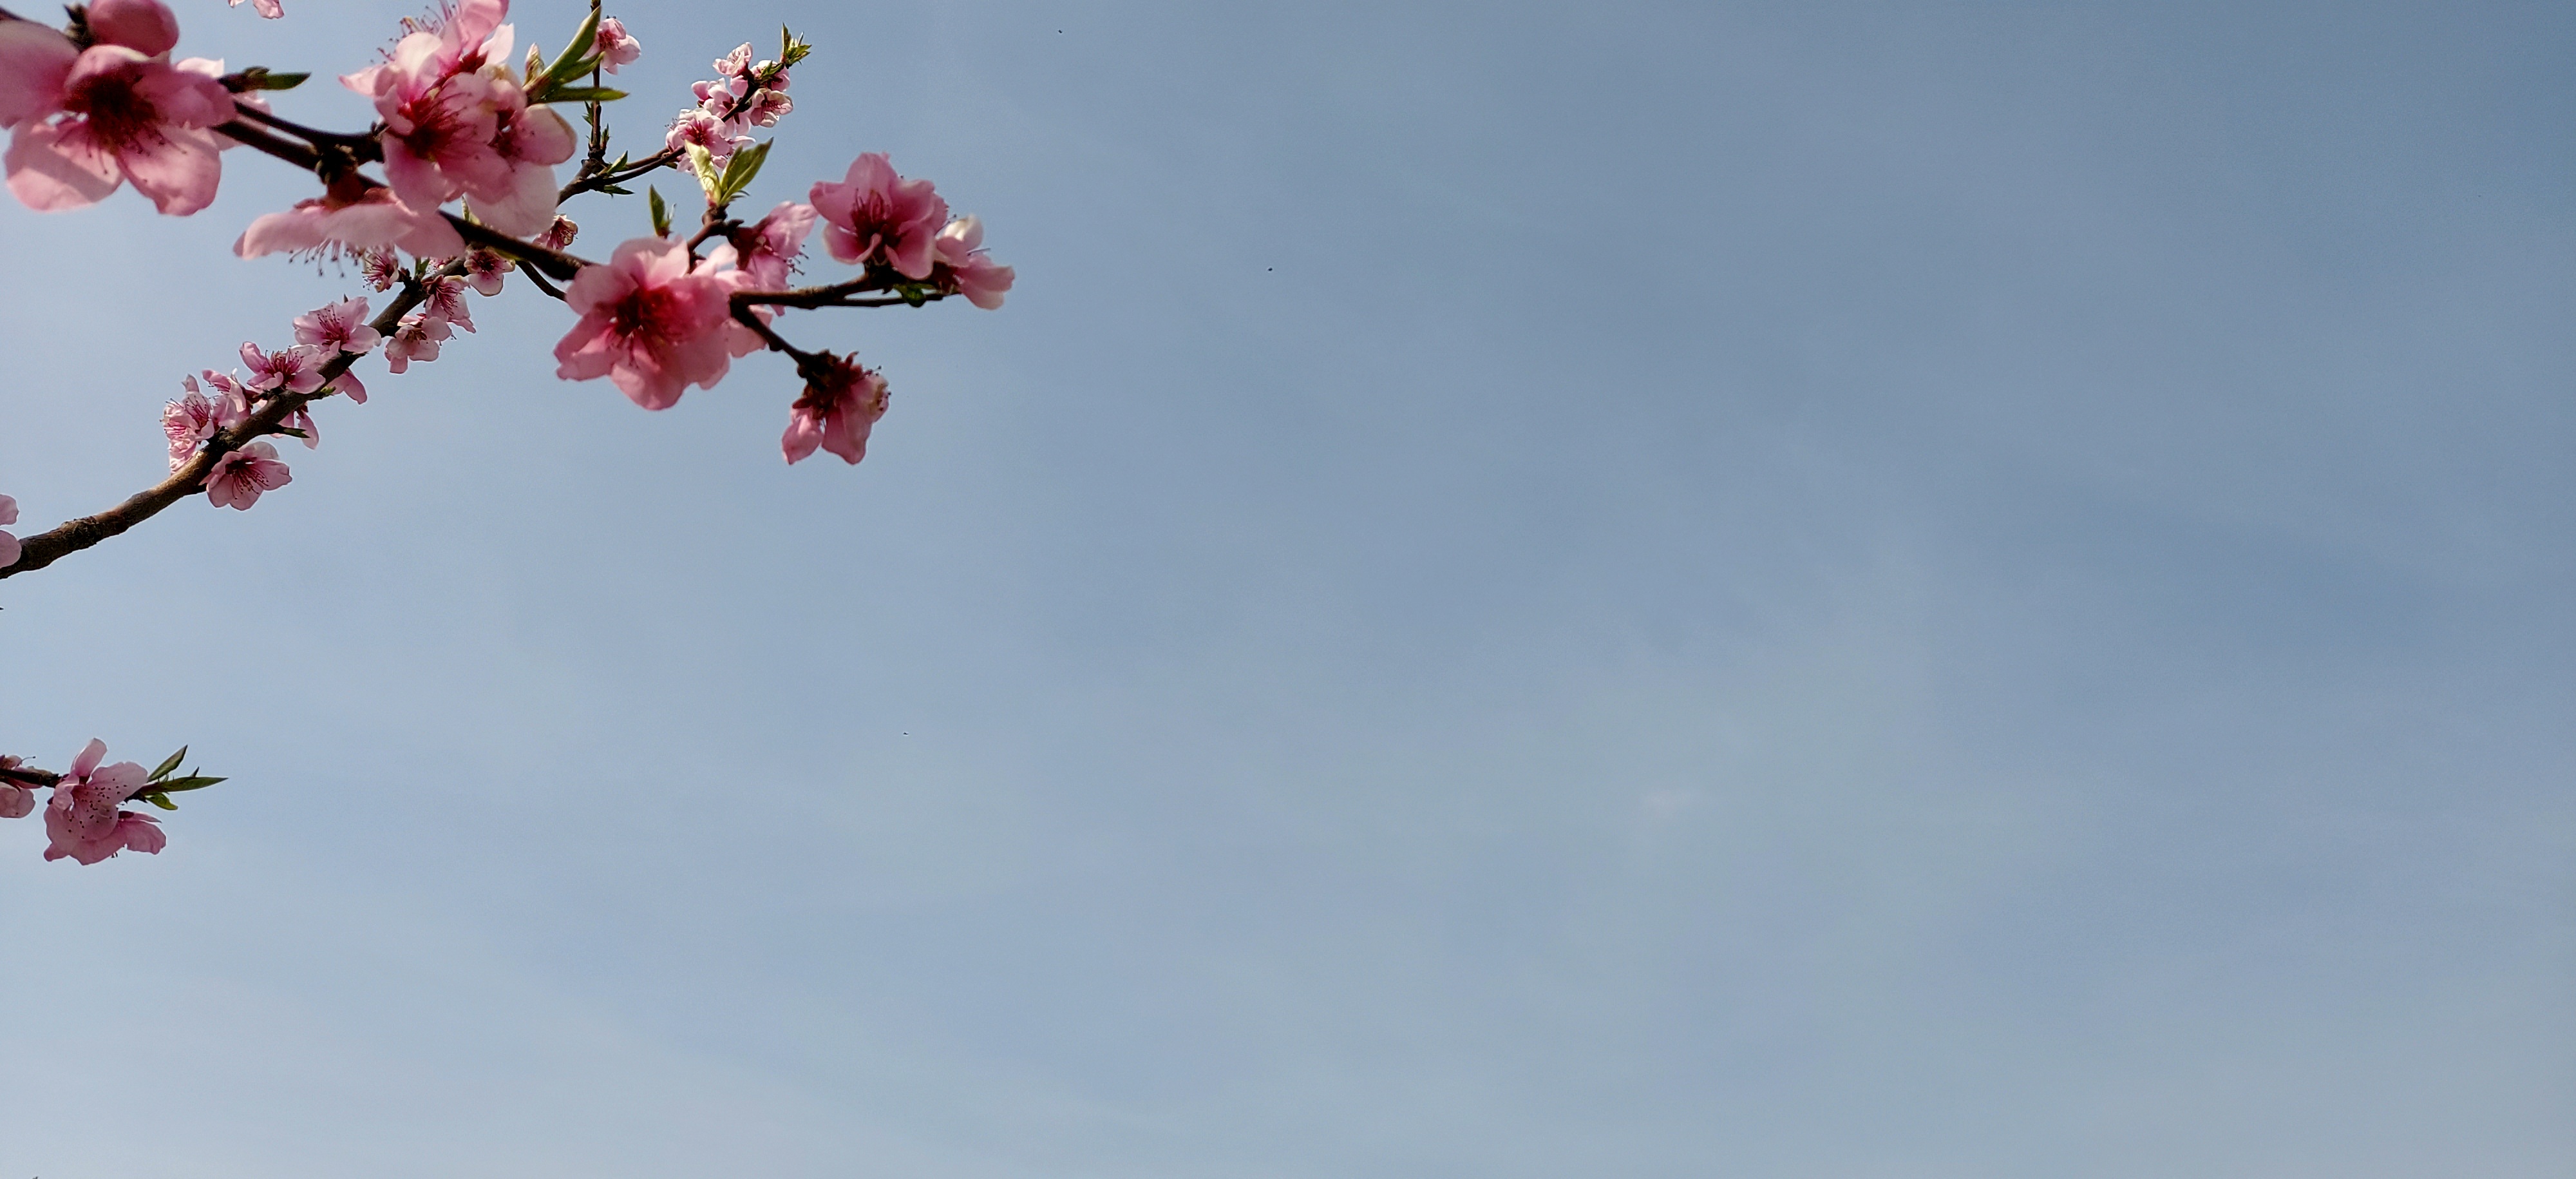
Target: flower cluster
x: 743, y: 95
x: 451, y: 189
x: 84, y: 120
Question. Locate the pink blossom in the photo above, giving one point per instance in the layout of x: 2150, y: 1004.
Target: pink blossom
x: 381, y: 269
x: 458, y: 123
x: 377, y: 220
x: 295, y: 370
x: 272, y: 9
x: 840, y: 405
x: 966, y: 269
x: 705, y: 130
x: 232, y: 399
x: 415, y: 338
x: 147, y: 27
x: 559, y: 235
x: 446, y: 302
x: 16, y: 801
x: 340, y: 327
x: 876, y: 216
x: 720, y: 96
x: 8, y: 543
x: 614, y: 47
x: 776, y: 243
x: 239, y: 477
x: 127, y: 116
x: 765, y: 107
x: 649, y: 323
x: 188, y: 422
x: 347, y: 385
x: 84, y: 821
x: 737, y: 63
x: 483, y: 271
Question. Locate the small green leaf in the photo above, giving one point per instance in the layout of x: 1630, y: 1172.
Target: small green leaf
x: 536, y: 61
x: 741, y: 169
x: 168, y: 764
x: 571, y: 65
x: 581, y: 94
x: 191, y: 782
x: 615, y: 190
x: 703, y: 162
x: 159, y: 799
x: 269, y: 81
x: 661, y: 212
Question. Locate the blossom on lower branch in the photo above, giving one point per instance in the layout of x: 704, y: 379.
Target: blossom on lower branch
x: 841, y: 404
x: 85, y: 820
x: 8, y: 542
x: 241, y: 476
x: 652, y: 324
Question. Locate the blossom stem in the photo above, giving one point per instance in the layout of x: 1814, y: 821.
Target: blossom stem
x: 363, y: 148
x: 29, y: 775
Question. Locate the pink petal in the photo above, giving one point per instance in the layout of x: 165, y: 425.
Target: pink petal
x: 34, y: 60
x: 87, y: 761
x: 145, y: 26
x: 51, y: 169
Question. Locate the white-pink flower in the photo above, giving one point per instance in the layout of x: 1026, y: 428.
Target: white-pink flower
x: 458, y: 123
x: 272, y: 9
x: 416, y: 338
x: 838, y: 409
x: 560, y: 234
x: 8, y: 543
x: 776, y: 242
x: 339, y: 327
x: 240, y: 477
x: 126, y: 114
x: 188, y: 422
x: 876, y: 216
x: 614, y: 45
x: 483, y: 271
x: 295, y: 370
x: 966, y: 269
x: 445, y: 302
x: 696, y: 126
x: 649, y: 323
x: 84, y: 821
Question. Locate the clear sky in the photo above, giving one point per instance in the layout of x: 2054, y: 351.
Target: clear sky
x: 1613, y: 589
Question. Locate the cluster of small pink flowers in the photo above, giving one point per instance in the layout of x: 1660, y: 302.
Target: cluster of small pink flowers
x: 8, y: 541
x: 743, y: 95
x: 84, y: 121
x: 85, y: 821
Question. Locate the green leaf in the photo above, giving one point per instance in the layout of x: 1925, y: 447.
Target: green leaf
x: 703, y: 162
x: 268, y: 81
x: 615, y: 190
x: 167, y: 765
x: 661, y: 212
x: 159, y: 799
x: 740, y: 170
x: 191, y: 782
x: 571, y: 65
x: 583, y: 94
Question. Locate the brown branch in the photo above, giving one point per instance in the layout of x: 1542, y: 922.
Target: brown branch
x: 29, y: 775
x: 71, y: 536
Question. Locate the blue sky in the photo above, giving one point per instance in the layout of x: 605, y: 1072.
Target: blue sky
x: 1520, y: 590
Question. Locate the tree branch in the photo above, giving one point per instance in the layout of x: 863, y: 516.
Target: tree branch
x: 71, y: 536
